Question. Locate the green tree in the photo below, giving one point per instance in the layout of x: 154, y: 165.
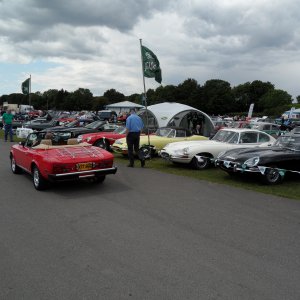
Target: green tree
x: 218, y: 97
x: 37, y: 101
x: 113, y: 96
x: 84, y: 99
x: 51, y: 99
x: 258, y: 89
x: 150, y: 97
x: 242, y: 98
x: 99, y: 103
x: 135, y: 98
x: 165, y: 94
x: 275, y: 102
x: 185, y: 90
x: 61, y: 99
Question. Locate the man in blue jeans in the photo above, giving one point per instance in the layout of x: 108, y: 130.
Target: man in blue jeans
x: 134, y: 125
x: 7, y: 119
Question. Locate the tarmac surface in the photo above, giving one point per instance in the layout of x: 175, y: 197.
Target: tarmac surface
x: 143, y: 234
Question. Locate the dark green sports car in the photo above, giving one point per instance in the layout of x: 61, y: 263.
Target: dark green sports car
x: 271, y: 164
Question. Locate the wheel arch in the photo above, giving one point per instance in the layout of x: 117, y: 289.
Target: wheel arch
x: 205, y: 153
x: 105, y: 140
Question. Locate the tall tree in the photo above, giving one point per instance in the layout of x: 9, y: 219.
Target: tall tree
x: 186, y: 89
x: 113, y: 96
x: 99, y: 103
x: 242, y: 99
x: 258, y: 89
x: 51, y: 99
x: 135, y: 98
x: 275, y: 102
x: 218, y: 97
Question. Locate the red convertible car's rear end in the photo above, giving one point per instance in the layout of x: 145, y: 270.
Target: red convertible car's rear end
x: 57, y: 163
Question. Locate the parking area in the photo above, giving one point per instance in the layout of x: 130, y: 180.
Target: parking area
x: 143, y: 234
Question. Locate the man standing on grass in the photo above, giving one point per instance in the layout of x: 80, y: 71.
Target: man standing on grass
x: 7, y: 119
x: 134, y: 125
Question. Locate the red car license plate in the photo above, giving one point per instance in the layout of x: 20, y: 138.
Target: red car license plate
x: 84, y: 166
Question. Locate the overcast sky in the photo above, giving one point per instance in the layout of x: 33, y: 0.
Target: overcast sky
x: 94, y: 44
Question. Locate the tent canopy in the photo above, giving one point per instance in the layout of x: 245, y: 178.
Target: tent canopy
x: 123, y: 106
x: 176, y: 114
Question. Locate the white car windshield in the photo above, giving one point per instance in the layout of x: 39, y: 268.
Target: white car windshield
x: 166, y: 132
x: 225, y: 136
x: 290, y: 142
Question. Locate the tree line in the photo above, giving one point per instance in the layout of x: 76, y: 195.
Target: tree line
x: 214, y: 97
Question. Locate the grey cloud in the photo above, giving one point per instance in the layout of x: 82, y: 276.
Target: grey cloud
x: 267, y: 25
x: 115, y: 14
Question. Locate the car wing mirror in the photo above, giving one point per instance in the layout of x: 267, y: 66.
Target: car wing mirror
x: 22, y: 143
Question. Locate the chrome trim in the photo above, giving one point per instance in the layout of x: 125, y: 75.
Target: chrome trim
x: 113, y: 170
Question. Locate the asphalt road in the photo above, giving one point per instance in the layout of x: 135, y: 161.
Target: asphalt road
x: 145, y: 235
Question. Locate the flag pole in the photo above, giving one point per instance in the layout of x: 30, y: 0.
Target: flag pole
x: 29, y: 93
x: 145, y: 95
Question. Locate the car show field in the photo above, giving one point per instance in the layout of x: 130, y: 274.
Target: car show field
x: 143, y: 234
x: 289, y: 189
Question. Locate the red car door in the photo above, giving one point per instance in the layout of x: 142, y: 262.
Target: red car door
x: 25, y: 157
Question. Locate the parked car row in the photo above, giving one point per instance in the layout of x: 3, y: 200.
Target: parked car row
x: 69, y: 153
x: 234, y: 150
x: 200, y: 154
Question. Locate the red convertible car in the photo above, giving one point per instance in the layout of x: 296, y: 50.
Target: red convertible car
x: 103, y: 139
x: 58, y: 157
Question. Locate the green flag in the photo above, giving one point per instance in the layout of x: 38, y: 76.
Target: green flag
x: 150, y: 64
x: 25, y: 86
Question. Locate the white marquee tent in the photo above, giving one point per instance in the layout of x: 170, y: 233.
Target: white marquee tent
x: 176, y: 114
x: 123, y: 106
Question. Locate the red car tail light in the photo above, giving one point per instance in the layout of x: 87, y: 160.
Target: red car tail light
x: 63, y: 168
x: 104, y: 164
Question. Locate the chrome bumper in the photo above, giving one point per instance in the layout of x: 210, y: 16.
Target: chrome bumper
x: 82, y: 174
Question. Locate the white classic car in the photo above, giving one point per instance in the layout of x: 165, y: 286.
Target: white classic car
x: 200, y: 154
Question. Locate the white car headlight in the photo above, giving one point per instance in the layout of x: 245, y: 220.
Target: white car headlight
x: 185, y: 150
x: 119, y: 142
x: 251, y: 162
x: 79, y: 139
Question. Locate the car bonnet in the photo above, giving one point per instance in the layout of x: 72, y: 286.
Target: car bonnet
x: 242, y: 154
x: 191, y: 144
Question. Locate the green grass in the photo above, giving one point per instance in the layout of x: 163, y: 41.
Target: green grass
x: 14, y: 137
x: 290, y: 188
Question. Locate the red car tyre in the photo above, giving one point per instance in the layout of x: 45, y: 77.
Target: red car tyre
x: 14, y: 168
x: 38, y: 181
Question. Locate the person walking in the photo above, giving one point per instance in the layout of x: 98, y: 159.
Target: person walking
x: 134, y: 125
x: 7, y: 119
